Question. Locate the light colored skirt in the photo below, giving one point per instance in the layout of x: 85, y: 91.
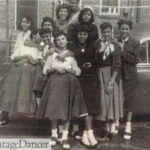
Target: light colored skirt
x: 111, y: 105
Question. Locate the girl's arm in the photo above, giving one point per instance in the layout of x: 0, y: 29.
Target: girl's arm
x: 75, y: 69
x: 47, y: 66
x: 18, y: 58
x: 132, y: 57
x: 110, y: 86
x: 30, y: 43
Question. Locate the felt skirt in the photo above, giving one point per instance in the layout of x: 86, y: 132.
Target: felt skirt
x: 16, y: 90
x: 111, y: 104
x: 62, y: 98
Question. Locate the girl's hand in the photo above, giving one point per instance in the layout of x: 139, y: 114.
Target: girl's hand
x: 121, y: 45
x: 71, y: 71
x: 110, y: 87
x: 31, y: 60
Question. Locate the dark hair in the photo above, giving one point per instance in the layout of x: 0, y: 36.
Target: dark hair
x: 80, y: 17
x: 125, y: 21
x: 44, y: 31
x: 82, y: 28
x: 29, y: 19
x: 64, y: 6
x: 59, y: 34
x: 105, y: 25
x: 34, y: 32
x: 47, y: 19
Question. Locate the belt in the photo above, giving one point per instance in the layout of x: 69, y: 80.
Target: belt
x: 87, y: 65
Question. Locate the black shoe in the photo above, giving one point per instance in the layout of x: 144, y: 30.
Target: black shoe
x: 4, y: 122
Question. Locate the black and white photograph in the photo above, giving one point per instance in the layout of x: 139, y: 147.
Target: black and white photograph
x: 75, y: 74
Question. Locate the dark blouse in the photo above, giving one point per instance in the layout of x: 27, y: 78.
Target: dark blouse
x: 73, y: 28
x: 130, y: 57
x: 86, y: 60
x: 113, y: 60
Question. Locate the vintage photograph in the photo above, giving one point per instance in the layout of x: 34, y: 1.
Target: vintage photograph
x: 75, y: 74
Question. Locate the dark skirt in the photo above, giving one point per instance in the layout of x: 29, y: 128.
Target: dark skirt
x: 16, y: 94
x: 91, y: 93
x: 39, y: 79
x: 129, y: 88
x: 62, y: 98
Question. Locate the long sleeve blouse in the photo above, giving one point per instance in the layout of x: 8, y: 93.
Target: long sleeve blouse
x: 53, y: 62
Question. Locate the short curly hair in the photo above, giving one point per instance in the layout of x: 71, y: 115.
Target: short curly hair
x: 47, y: 19
x: 59, y: 34
x: 80, y: 17
x: 125, y: 21
x: 105, y: 25
x: 64, y: 6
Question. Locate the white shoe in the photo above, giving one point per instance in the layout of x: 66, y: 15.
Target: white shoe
x: 85, y: 140
x: 127, y: 136
x: 92, y: 138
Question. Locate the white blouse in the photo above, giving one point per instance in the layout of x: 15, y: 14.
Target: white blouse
x: 68, y: 63
x: 21, y: 50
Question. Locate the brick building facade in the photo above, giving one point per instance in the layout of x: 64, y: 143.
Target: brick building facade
x: 109, y: 10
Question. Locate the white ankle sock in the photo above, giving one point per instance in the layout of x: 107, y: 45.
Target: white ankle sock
x: 85, y: 139
x: 92, y: 138
x: 65, y: 135
x: 54, y: 133
x: 128, y: 127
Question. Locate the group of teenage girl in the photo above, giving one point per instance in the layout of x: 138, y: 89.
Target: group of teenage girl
x: 69, y: 74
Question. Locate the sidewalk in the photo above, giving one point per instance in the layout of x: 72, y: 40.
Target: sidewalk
x: 31, y: 128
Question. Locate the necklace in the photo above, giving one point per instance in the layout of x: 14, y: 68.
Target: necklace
x: 82, y: 47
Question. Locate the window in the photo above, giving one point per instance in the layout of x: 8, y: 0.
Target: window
x: 29, y: 8
x: 145, y: 51
x: 109, y: 7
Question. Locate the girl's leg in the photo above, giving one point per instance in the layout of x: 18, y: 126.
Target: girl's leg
x: 54, y: 134
x: 127, y: 134
x: 64, y: 139
x: 114, y: 129
x: 89, y: 132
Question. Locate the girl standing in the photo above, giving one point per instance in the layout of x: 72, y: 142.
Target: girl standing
x: 85, y: 56
x: 130, y: 57
x: 108, y: 56
x: 86, y: 17
x: 49, y: 23
x: 62, y: 98
x: 63, y: 14
x: 16, y: 94
x: 40, y: 79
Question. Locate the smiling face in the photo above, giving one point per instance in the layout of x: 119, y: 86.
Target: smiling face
x: 46, y: 38
x: 125, y: 31
x: 61, y: 41
x: 82, y: 36
x: 25, y: 24
x: 48, y: 25
x: 107, y: 34
x: 63, y: 14
x: 86, y: 16
x: 74, y: 4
